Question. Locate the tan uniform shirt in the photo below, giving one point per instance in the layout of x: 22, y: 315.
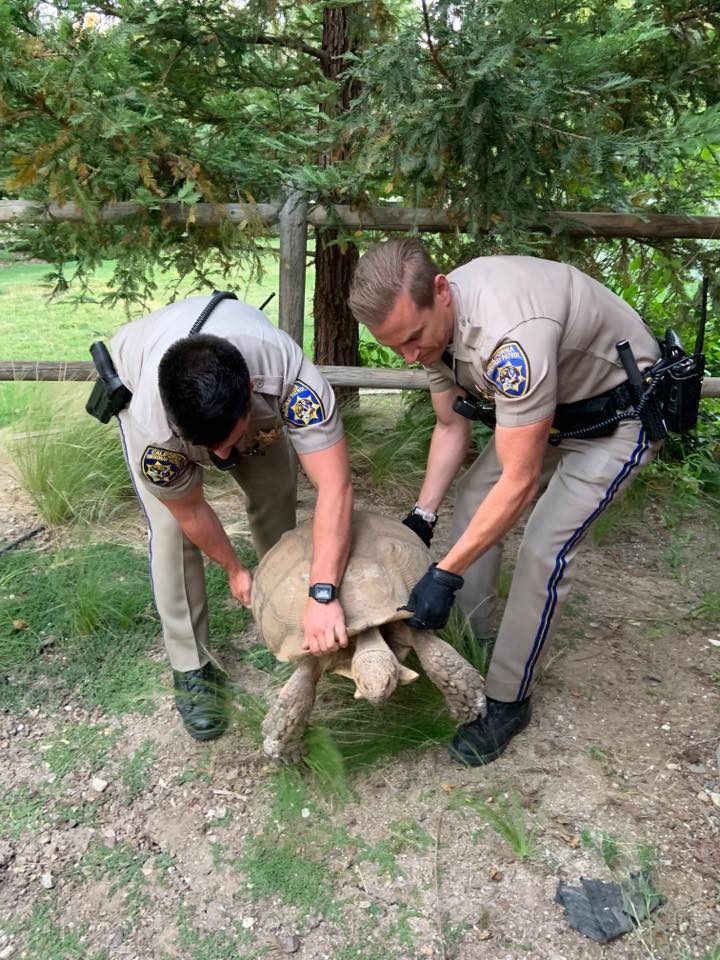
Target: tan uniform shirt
x: 533, y: 334
x: 288, y: 391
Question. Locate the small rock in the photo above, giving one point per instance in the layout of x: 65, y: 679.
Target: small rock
x: 715, y: 797
x: 696, y: 768
x: 98, y: 784
x: 47, y: 880
x: 248, y: 923
x: 117, y: 938
x: 305, y: 813
x: 705, y: 797
x: 683, y: 926
x: 289, y: 944
x: 7, y: 952
x: 665, y: 726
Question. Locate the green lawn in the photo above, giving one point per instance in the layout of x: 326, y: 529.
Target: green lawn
x: 35, y: 328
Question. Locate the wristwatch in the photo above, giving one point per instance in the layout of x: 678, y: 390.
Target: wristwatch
x: 323, y: 592
x: 426, y: 515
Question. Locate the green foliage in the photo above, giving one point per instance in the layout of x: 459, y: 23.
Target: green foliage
x: 505, y: 814
x: 78, y: 619
x: 610, y: 850
x: 22, y: 809
x: 135, y: 770
x: 43, y: 938
x: 279, y: 867
x: 459, y: 634
x: 391, y: 454
x: 213, y: 946
x: 509, y: 110
x: 123, y: 865
x: 71, y: 465
x: 78, y: 746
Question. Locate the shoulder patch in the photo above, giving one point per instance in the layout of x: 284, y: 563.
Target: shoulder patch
x: 509, y: 370
x: 162, y: 466
x: 302, y: 407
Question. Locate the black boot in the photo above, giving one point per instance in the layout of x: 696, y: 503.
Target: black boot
x: 200, y: 702
x: 483, y: 740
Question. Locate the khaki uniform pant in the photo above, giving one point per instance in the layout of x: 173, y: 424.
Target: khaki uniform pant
x: 583, y: 477
x: 176, y: 564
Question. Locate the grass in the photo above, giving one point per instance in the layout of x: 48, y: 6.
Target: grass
x: 79, y: 746
x: 63, y: 328
x: 135, y: 770
x: 23, y: 809
x: 505, y: 815
x: 71, y: 465
x: 123, y: 866
x: 78, y: 619
x: 277, y: 866
x: 195, y: 945
x: 82, y: 619
x: 44, y: 938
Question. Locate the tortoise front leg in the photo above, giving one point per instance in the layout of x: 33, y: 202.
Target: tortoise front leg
x: 286, y: 720
x: 459, y: 682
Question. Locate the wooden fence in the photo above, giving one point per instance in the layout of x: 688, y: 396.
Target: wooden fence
x: 293, y: 215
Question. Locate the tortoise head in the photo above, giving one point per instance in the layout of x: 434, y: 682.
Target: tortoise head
x: 377, y: 673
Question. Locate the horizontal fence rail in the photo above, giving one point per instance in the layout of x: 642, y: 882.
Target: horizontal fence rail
x: 386, y: 218
x: 371, y: 378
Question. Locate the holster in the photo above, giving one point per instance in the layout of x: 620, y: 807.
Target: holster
x: 109, y: 394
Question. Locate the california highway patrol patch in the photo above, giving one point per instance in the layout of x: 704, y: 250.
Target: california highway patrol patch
x: 509, y: 370
x: 162, y: 466
x: 303, y: 407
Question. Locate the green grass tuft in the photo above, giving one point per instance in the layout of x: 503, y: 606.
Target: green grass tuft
x: 79, y: 619
x: 71, y: 465
x: 505, y: 814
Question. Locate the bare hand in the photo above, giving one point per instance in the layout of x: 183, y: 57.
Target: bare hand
x: 240, y: 583
x: 325, y: 630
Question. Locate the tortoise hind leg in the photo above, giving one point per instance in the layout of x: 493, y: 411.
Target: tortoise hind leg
x: 286, y: 720
x: 459, y: 682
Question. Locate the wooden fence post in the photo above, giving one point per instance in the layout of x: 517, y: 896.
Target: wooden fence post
x: 293, y: 246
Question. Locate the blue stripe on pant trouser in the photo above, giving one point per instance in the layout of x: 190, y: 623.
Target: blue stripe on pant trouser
x: 561, y: 563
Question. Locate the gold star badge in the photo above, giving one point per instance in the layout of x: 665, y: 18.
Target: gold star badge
x: 266, y: 437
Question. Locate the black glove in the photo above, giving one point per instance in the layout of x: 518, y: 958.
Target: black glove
x: 423, y: 528
x: 432, y: 598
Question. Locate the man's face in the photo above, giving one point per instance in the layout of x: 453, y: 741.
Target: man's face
x: 223, y: 450
x: 419, y: 335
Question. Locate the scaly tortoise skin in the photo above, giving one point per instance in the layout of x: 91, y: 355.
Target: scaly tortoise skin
x: 386, y: 561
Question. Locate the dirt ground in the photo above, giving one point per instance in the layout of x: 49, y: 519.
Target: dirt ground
x: 622, y: 756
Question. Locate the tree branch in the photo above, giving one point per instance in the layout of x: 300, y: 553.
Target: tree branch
x: 431, y: 47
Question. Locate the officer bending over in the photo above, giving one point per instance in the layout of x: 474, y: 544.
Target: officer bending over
x: 232, y: 395
x: 539, y: 338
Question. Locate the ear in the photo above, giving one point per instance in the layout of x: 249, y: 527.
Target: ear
x: 441, y: 288
x: 252, y: 385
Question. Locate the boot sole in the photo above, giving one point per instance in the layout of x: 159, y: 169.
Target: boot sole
x: 203, y: 735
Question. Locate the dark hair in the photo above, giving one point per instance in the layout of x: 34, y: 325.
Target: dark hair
x: 204, y: 387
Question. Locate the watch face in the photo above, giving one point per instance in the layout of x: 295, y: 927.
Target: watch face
x: 322, y: 592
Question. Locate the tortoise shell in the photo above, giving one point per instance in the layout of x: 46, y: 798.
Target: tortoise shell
x: 386, y: 561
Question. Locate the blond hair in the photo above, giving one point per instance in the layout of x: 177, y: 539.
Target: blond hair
x: 383, y: 272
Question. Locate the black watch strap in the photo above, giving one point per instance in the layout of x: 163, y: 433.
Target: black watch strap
x: 323, y: 592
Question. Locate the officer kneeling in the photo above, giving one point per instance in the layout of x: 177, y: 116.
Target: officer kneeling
x: 232, y: 396
x: 544, y: 342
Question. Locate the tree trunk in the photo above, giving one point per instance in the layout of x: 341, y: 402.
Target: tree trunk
x: 336, y: 335
x: 336, y: 332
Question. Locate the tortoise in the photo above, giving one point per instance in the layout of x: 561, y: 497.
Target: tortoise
x: 386, y: 561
